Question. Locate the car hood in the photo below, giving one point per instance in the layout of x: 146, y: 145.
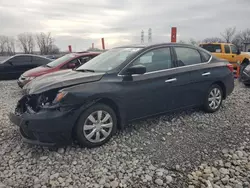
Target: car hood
x: 60, y: 79
x: 36, y: 71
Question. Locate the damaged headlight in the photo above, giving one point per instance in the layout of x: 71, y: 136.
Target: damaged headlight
x: 60, y: 96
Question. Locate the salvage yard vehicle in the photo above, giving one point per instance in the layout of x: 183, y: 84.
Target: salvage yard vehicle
x: 121, y: 85
x: 229, y: 52
x: 14, y: 66
x: 245, y: 76
x: 68, y: 61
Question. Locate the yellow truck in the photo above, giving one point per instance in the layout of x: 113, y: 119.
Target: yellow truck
x: 229, y: 52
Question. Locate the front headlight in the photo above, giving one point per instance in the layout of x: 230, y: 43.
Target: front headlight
x: 60, y: 96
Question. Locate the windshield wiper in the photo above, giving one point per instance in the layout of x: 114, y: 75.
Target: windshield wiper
x: 85, y: 70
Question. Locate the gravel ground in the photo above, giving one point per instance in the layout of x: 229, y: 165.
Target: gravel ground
x: 186, y: 149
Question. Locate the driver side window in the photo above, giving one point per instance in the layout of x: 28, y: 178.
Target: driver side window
x: 155, y: 60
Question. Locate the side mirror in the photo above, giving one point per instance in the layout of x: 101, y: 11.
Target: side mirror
x: 71, y: 66
x: 136, y: 69
x: 10, y: 62
x: 238, y: 52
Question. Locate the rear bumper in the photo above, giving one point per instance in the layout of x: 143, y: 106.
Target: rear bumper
x: 229, y: 85
x: 47, y: 128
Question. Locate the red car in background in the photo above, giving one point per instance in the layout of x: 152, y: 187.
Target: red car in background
x: 68, y: 61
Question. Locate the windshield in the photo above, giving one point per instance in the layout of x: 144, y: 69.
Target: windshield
x: 108, y: 60
x: 60, y: 60
x: 5, y: 59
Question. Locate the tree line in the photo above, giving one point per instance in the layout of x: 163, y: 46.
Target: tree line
x: 28, y: 42
x: 229, y: 35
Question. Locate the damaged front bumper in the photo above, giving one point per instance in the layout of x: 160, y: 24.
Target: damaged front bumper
x: 48, y: 127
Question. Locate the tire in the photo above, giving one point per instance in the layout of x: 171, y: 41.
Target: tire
x: 89, y: 127
x: 247, y: 85
x: 215, y: 96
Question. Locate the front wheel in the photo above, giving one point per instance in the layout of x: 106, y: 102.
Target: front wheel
x: 96, y: 126
x: 213, y: 99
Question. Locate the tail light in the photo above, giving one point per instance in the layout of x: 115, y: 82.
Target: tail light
x: 230, y: 66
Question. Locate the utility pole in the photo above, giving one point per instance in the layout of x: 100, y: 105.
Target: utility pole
x: 149, y: 35
x: 142, y: 36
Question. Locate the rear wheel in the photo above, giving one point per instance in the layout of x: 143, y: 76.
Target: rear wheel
x: 213, y: 99
x: 96, y: 126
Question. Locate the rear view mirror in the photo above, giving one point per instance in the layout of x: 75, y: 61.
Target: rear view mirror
x: 136, y: 69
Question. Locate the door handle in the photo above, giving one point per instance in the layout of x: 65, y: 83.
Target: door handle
x: 171, y: 80
x: 232, y: 55
x: 206, y: 73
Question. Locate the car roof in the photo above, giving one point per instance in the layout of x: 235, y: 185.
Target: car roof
x: 154, y: 45
x: 33, y: 55
x: 216, y: 43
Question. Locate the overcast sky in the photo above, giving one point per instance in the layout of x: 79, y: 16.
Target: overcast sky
x: 81, y: 22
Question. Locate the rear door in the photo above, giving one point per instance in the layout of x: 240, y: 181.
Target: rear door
x: 191, y: 61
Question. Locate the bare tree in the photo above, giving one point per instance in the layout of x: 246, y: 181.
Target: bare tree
x: 54, y: 49
x: 182, y: 42
x: 194, y: 42
x: 45, y: 43
x: 3, y: 40
x: 242, y: 38
x: 26, y: 42
x: 212, y: 39
x: 10, y: 45
x: 228, y: 34
x: 94, y: 49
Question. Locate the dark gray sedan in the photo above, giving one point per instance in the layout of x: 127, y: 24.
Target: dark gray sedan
x: 13, y: 67
x: 119, y: 86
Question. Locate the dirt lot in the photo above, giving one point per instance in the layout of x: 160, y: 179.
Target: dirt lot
x: 185, y: 149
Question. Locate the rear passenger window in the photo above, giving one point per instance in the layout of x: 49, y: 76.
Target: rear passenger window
x: 227, y: 49
x: 205, y: 56
x: 187, y: 56
x: 40, y: 60
x: 19, y: 60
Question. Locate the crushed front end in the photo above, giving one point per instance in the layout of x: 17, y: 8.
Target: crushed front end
x: 43, y: 122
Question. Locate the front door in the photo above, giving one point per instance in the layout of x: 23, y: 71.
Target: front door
x: 231, y: 54
x: 155, y: 91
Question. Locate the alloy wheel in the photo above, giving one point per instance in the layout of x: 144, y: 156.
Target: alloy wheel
x: 214, y: 98
x: 98, y: 126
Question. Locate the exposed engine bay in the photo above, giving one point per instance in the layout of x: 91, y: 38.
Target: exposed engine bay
x: 34, y: 103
